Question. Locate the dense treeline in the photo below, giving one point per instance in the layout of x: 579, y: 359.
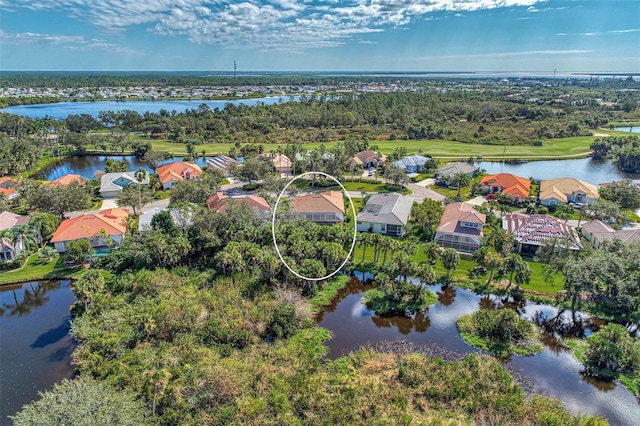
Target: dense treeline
x: 624, y: 150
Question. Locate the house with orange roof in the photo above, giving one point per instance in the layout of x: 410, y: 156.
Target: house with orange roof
x: 171, y: 173
x: 7, y: 187
x: 321, y: 207
x: 460, y: 228
x: 67, y: 179
x: 280, y: 162
x: 367, y: 159
x: 515, y: 186
x: 93, y: 227
x: 221, y: 203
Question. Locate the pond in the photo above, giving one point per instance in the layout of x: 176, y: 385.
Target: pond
x: 586, y: 169
x: 62, y: 110
x: 553, y: 371
x: 87, y: 165
x: 632, y: 129
x: 35, y: 344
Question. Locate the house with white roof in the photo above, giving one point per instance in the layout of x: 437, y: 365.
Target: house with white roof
x: 412, y: 163
x: 445, y: 172
x: 112, y: 184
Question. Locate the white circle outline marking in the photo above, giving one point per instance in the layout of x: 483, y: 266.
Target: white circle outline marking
x: 273, y: 227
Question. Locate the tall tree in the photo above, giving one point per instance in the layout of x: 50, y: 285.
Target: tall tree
x: 450, y: 260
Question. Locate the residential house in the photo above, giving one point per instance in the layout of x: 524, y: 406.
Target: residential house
x: 171, y: 173
x: 385, y: 214
x: 515, y: 186
x: 531, y: 231
x: 180, y: 217
x: 411, y: 164
x: 597, y: 232
x: 567, y: 190
x: 445, y: 172
x: 67, y: 179
x: 460, y: 228
x: 367, y: 159
x: 93, y: 227
x: 222, y: 162
x: 9, y: 250
x: 221, y: 203
x: 112, y: 184
x: 281, y: 162
x: 320, y: 207
x: 7, y: 187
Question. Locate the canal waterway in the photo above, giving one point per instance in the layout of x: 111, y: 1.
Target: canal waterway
x: 554, y: 371
x: 62, y: 110
x: 35, y: 345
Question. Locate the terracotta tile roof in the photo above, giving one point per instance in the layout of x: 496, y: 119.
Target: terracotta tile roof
x: 7, y: 186
x: 8, y: 220
x: 364, y: 157
x: 280, y: 161
x: 221, y: 203
x: 178, y: 170
x: 455, y: 213
x: 515, y: 186
x: 567, y: 186
x: 319, y: 202
x: 601, y: 231
x: 537, y: 228
x: 67, y: 180
x: 113, y: 221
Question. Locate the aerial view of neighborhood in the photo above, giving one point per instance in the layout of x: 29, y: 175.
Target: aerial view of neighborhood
x: 371, y: 244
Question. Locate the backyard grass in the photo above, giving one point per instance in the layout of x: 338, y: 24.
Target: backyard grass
x: 575, y: 147
x: 461, y: 275
x: 37, y: 268
x: 364, y: 185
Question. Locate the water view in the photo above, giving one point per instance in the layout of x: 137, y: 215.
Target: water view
x: 587, y: 169
x: 553, y: 371
x: 36, y: 347
x: 64, y: 109
x: 87, y: 165
x: 632, y: 129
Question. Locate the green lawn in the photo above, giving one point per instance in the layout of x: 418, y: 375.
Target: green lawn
x: 461, y: 274
x: 551, y: 149
x: 37, y: 268
x: 465, y: 192
x: 364, y: 185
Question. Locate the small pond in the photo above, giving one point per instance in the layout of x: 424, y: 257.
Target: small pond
x: 553, y: 371
x: 35, y: 345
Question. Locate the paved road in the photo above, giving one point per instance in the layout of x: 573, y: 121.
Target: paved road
x: 419, y: 193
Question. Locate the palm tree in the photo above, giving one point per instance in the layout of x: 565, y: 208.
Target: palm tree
x: 450, y: 260
x: 44, y: 225
x: 432, y: 250
x: 460, y: 180
x: 140, y: 176
x: 511, y: 264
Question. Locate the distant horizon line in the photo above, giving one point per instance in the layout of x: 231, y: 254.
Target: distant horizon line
x: 340, y: 72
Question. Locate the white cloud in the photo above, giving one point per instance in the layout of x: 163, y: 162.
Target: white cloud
x: 523, y: 53
x: 277, y: 24
x: 633, y: 30
x: 68, y: 42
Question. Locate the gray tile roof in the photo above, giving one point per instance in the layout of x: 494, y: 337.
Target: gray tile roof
x: 391, y: 209
x: 413, y: 160
x: 107, y: 181
x: 457, y: 167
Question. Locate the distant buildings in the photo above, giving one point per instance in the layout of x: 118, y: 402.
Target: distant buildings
x: 444, y: 173
x: 460, y: 228
x: 386, y: 214
x: 515, y: 186
x: 412, y: 163
x: 367, y: 159
x: 171, y: 173
x: 112, y: 184
x: 567, y: 190
x: 281, y: 163
x: 93, y: 227
x: 532, y: 231
x: 67, y: 179
x: 7, y: 187
x: 322, y: 207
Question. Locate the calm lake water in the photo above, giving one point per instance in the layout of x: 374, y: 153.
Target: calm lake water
x: 587, y: 169
x: 553, y: 371
x: 64, y: 109
x: 35, y: 346
x: 88, y: 165
x: 629, y: 129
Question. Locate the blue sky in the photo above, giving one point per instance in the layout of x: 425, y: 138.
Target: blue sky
x: 317, y: 35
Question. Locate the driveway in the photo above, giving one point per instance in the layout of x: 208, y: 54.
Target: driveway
x: 419, y: 193
x: 426, y: 182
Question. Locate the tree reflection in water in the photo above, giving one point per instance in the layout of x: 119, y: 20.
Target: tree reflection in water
x: 419, y: 322
x: 446, y: 295
x: 34, y: 294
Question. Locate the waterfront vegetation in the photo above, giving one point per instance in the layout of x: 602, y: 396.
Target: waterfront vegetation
x: 501, y: 332
x: 36, y: 268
